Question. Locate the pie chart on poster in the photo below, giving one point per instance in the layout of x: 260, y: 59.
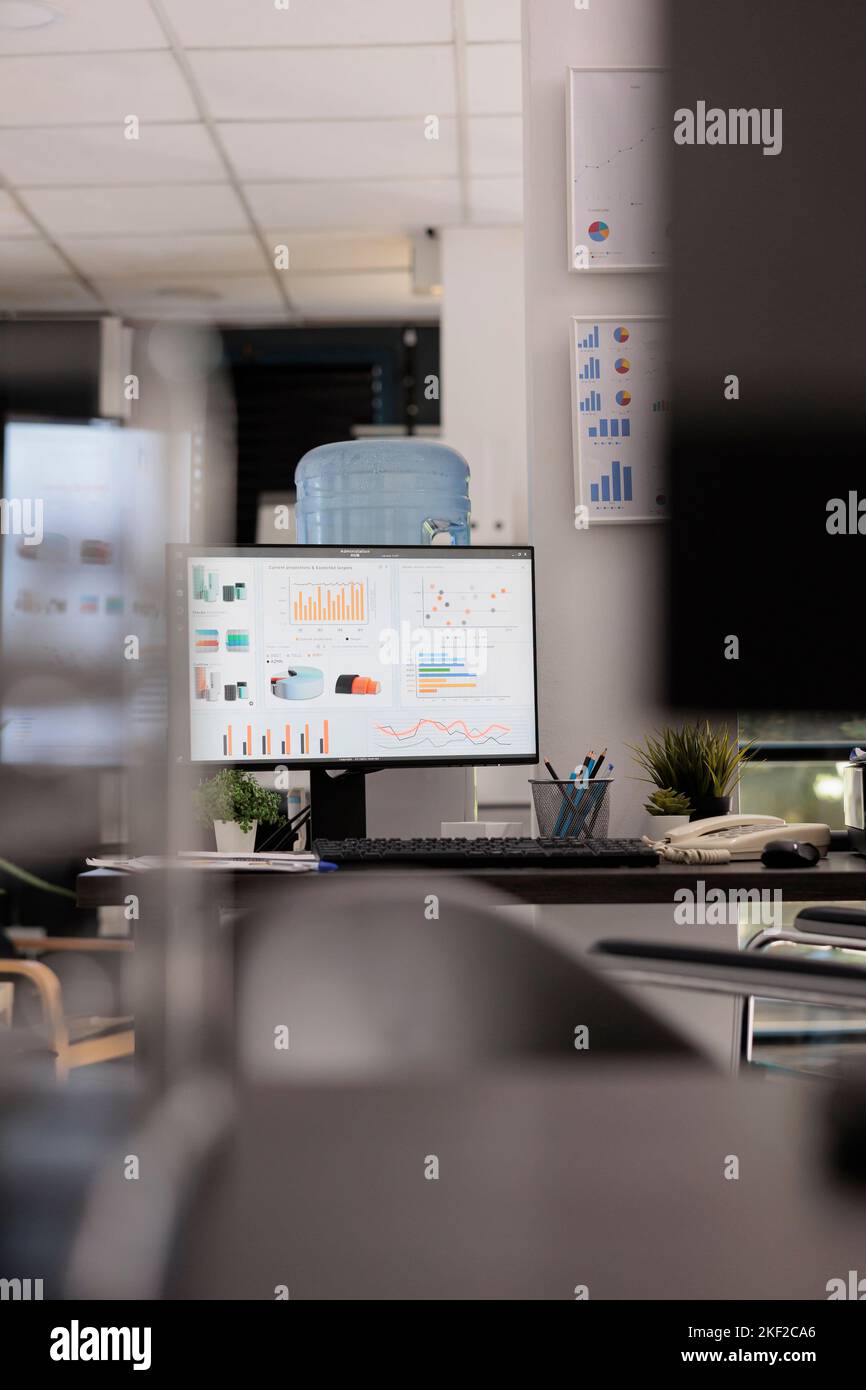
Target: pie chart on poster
x: 622, y: 365
x: 623, y: 397
x: 598, y: 231
x: 621, y: 335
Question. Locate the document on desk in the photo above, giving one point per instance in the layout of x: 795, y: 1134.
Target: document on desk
x: 304, y: 861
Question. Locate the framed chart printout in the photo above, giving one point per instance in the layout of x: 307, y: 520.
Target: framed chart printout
x: 619, y: 140
x: 620, y: 369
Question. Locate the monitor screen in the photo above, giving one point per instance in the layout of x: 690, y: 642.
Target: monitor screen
x: 336, y: 655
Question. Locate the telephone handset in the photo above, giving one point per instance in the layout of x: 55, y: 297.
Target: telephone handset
x: 722, y: 838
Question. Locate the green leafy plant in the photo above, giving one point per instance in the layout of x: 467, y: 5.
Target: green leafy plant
x: 666, y: 802
x: 33, y: 880
x: 232, y: 795
x: 696, y: 760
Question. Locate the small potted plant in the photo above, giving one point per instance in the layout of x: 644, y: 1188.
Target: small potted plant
x: 235, y: 804
x: 667, y: 810
x: 703, y: 764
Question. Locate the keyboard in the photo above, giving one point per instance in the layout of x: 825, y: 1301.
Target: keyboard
x: 484, y: 853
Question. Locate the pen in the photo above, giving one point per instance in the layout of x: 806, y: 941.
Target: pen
x: 567, y: 801
x: 598, y: 762
x: 592, y: 799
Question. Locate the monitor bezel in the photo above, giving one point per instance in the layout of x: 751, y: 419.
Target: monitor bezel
x: 177, y: 581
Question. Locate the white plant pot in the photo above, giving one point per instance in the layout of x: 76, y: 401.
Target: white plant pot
x: 659, y: 826
x: 230, y: 839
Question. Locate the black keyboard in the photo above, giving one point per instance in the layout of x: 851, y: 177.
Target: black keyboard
x: 483, y: 853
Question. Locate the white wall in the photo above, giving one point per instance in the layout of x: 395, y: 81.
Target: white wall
x: 483, y: 357
x: 598, y: 606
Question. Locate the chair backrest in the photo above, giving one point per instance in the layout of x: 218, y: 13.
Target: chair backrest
x: 377, y: 976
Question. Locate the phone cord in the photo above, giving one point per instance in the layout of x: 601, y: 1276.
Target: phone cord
x: 671, y: 855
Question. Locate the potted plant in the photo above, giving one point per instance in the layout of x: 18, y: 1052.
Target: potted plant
x: 235, y: 804
x: 667, y: 810
x: 703, y: 764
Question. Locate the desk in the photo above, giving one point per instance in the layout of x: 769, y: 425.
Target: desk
x: 645, y: 895
x: 840, y: 877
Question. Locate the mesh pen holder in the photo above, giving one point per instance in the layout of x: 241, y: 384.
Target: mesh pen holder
x: 572, y: 810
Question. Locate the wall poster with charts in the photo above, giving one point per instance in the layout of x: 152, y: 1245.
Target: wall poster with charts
x: 619, y: 138
x: 620, y: 370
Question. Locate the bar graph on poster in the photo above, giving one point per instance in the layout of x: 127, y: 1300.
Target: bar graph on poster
x: 620, y: 385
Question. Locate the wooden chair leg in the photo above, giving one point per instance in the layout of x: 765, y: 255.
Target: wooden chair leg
x: 51, y: 998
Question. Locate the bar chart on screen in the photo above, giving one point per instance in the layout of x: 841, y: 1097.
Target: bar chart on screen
x: 329, y: 603
x: 254, y: 739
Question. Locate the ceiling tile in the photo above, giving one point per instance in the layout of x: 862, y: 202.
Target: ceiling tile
x: 322, y: 254
x: 496, y: 201
x: 99, y: 155
x: 495, y: 145
x: 46, y: 293
x: 494, y: 78
x: 285, y: 84
x: 207, y: 298
x: 492, y: 20
x: 102, y: 88
x: 12, y: 221
x: 137, y: 211
x: 389, y: 207
x: 340, y: 149
x: 89, y: 26
x: 345, y: 298
x: 29, y: 256
x: 128, y: 257
x: 203, y: 24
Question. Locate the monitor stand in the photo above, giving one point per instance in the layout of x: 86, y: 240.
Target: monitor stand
x: 338, y: 805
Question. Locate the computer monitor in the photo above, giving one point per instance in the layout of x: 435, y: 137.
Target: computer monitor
x: 361, y: 658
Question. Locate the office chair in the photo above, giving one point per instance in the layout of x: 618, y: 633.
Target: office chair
x: 821, y: 925
x: 745, y: 975
x: 352, y: 980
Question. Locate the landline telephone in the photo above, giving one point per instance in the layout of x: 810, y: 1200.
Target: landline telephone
x: 719, y: 839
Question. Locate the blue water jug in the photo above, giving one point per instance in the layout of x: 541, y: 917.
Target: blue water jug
x: 383, y: 491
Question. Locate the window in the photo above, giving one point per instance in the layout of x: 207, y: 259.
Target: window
x: 801, y: 756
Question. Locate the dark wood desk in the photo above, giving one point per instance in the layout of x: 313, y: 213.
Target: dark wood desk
x: 839, y: 877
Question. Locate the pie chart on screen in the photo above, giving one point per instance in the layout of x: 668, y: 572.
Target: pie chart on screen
x: 598, y: 231
x: 623, y: 397
x: 621, y: 335
x: 622, y: 365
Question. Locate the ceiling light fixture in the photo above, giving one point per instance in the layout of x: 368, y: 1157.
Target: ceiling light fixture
x: 191, y: 292
x: 426, y: 264
x: 28, y: 14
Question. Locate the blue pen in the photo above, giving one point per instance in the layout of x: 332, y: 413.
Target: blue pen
x: 325, y: 866
x: 590, y: 801
x: 566, y: 794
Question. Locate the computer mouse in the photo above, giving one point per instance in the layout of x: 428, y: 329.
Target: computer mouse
x: 790, y: 854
